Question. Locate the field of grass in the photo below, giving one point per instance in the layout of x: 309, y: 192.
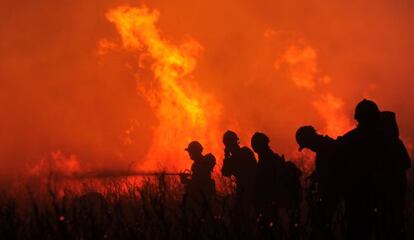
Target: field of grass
x: 126, y: 209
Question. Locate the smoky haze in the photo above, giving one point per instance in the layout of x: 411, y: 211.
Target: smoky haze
x: 57, y: 93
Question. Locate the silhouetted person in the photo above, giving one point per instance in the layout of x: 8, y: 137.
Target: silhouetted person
x: 200, y: 188
x: 326, y: 179
x: 277, y: 184
x: 375, y: 161
x: 392, y: 172
x: 240, y: 162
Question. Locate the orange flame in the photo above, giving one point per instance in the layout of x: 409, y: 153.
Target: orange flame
x: 330, y: 108
x: 57, y: 163
x: 183, y: 111
x: 301, y: 60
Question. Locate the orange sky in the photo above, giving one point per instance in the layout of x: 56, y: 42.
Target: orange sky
x: 268, y: 65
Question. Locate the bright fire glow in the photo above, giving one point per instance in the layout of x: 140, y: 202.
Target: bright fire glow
x: 301, y: 60
x: 134, y: 90
x: 183, y: 111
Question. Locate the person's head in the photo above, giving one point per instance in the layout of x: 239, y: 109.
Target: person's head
x: 194, y: 150
x: 231, y: 140
x: 260, y: 142
x: 367, y: 113
x: 306, y: 137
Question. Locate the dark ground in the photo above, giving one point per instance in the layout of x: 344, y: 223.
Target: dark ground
x: 125, y: 210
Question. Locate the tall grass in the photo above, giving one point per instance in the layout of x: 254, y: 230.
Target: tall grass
x: 124, y: 209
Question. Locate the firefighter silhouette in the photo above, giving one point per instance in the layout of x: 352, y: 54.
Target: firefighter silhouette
x: 375, y: 162
x: 240, y: 162
x: 325, y: 180
x: 277, y: 187
x: 200, y: 187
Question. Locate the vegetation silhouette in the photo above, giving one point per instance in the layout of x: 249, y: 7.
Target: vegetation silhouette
x: 358, y: 190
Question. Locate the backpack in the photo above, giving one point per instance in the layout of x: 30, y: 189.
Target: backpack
x: 290, y: 178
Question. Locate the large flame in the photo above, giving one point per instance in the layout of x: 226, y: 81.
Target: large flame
x: 59, y: 92
x: 184, y: 112
x: 302, y: 61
